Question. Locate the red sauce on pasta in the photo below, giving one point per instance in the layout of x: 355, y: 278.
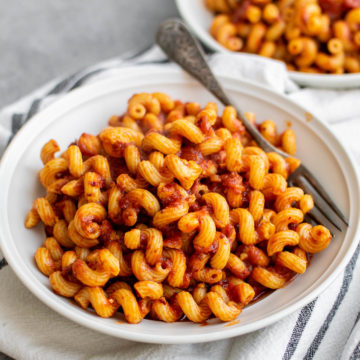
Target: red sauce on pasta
x: 336, y: 8
x: 240, y: 12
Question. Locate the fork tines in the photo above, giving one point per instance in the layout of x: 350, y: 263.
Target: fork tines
x: 325, y: 210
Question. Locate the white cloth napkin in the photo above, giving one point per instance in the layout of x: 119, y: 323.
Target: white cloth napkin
x: 327, y: 328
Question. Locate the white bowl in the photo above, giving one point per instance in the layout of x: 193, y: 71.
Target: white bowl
x: 199, y: 19
x: 87, y: 110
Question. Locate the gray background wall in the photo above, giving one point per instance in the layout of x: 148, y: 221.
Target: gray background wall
x: 42, y: 39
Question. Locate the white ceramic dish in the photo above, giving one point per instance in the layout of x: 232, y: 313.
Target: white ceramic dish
x: 199, y: 19
x: 88, y: 109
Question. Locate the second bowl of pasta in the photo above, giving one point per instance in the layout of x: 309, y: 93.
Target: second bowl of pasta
x: 318, y: 43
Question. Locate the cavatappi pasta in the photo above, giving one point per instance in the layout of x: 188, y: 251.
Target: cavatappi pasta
x: 316, y: 36
x: 172, y: 211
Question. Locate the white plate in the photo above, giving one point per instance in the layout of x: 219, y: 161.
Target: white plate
x: 88, y: 109
x: 199, y: 19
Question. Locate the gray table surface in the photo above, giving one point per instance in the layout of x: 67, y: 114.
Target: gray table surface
x: 42, y: 39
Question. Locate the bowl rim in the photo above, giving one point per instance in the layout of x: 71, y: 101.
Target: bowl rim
x: 90, y: 92
x: 332, y: 80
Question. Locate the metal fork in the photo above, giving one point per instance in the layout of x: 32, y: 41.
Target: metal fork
x: 179, y: 44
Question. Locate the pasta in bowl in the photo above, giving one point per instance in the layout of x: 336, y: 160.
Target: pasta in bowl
x: 118, y: 257
x: 173, y: 211
x: 316, y: 39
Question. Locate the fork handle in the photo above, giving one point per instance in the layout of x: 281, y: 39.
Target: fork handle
x: 180, y: 45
